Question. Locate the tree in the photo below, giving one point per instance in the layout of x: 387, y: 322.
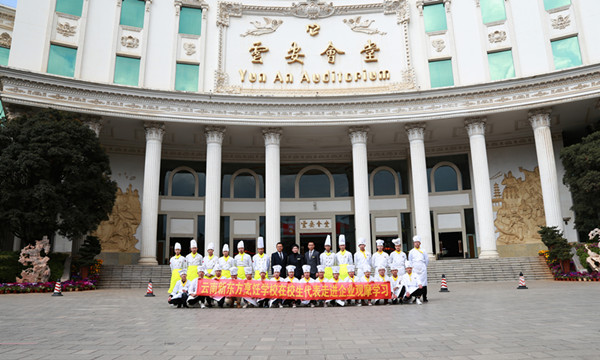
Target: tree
x: 582, y: 176
x: 54, y: 176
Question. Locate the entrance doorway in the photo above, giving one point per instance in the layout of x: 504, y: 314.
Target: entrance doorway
x: 185, y: 245
x: 451, y: 245
x: 318, y: 239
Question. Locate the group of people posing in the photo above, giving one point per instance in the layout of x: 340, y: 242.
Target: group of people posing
x: 407, y: 274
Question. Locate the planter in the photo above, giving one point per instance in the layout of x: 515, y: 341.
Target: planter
x: 565, y: 266
x: 84, y: 271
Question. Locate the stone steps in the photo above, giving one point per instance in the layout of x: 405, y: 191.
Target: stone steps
x: 456, y: 270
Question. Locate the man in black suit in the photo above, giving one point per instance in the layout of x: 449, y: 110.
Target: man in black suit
x: 312, y: 258
x: 279, y: 258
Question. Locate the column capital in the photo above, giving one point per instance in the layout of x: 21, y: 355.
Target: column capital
x: 214, y: 134
x: 540, y: 117
x: 415, y: 131
x: 358, y: 134
x: 475, y: 126
x: 154, y: 130
x: 272, y: 135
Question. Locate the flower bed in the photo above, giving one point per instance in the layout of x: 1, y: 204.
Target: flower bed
x: 71, y: 285
x: 571, y: 276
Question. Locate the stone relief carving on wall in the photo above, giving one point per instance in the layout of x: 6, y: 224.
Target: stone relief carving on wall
x: 312, y: 9
x: 270, y: 26
x: 130, y: 42
x: 519, y: 208
x: 5, y: 40
x: 66, y: 29
x: 190, y: 48
x: 497, y: 36
x: 561, y: 22
x: 357, y: 25
x: 439, y: 45
x: 117, y: 233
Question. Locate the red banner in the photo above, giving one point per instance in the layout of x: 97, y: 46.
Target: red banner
x: 302, y: 291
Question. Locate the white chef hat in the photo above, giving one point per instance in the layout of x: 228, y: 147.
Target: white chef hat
x: 342, y: 240
x: 305, y: 268
x: 379, y: 242
x: 260, y: 243
x: 394, y: 267
x: 177, y: 246
x: 233, y: 271
x: 211, y: 246
x: 362, y: 241
x: 290, y: 268
x: 417, y: 238
x: 397, y: 241
x: 408, y: 264
x: 380, y: 268
x: 240, y: 244
x: 328, y: 240
x: 247, y: 270
x: 366, y: 268
x: 276, y: 268
x: 201, y: 268
x: 217, y: 267
x: 226, y: 247
x: 351, y: 268
x: 335, y: 269
x: 193, y: 244
x: 183, y: 272
x: 320, y: 268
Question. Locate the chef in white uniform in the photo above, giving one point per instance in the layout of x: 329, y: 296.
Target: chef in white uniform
x: 343, y: 257
x: 177, y: 263
x: 382, y: 277
x: 336, y: 279
x: 242, y: 260
x: 226, y: 262
x: 380, y: 258
x: 306, y: 279
x: 193, y: 259
x: 277, y: 278
x: 260, y: 260
x: 419, y: 260
x: 328, y: 258
x: 398, y: 257
x: 362, y: 258
x: 210, y: 260
x: 396, y: 284
x: 412, y: 288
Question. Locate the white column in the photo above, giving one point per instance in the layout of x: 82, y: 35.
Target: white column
x: 272, y: 189
x: 481, y: 186
x: 154, y: 136
x: 212, y: 197
x: 360, y: 171
x: 540, y: 121
x: 420, y: 195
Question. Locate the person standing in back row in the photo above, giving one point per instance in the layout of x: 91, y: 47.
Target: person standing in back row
x: 297, y: 260
x: 312, y: 258
x: 419, y: 260
x: 278, y: 258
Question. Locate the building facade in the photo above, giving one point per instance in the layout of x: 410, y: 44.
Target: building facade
x: 226, y: 121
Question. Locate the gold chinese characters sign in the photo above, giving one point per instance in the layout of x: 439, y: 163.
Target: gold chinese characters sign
x: 342, y: 49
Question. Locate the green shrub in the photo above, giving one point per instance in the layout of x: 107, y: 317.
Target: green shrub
x: 88, y: 251
x: 10, y: 267
x: 558, y: 247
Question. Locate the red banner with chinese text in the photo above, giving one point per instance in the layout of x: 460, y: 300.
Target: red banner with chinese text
x: 302, y: 291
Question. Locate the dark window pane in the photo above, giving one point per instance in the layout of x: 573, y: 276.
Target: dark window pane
x: 384, y: 183
x: 445, y: 179
x: 314, y: 184
x: 244, y: 187
x: 184, y: 184
x: 287, y: 186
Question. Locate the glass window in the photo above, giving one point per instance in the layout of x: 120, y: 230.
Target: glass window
x: 132, y: 13
x: 553, y: 4
x: 190, y: 21
x: 61, y: 60
x: 384, y: 183
x: 314, y: 184
x: 434, y: 17
x: 72, y: 7
x: 341, y: 185
x: 440, y: 73
x: 4, y: 52
x: 183, y: 184
x: 566, y: 53
x: 127, y: 71
x: 186, y: 77
x: 492, y: 10
x: 244, y: 186
x: 445, y: 179
x: 501, y: 65
x: 201, y: 184
x: 287, y: 184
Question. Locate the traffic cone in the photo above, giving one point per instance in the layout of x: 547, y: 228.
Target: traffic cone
x: 444, y: 285
x: 149, y: 292
x: 521, y: 281
x: 57, y: 289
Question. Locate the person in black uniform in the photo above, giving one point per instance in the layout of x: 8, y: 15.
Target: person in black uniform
x: 279, y: 258
x: 297, y: 260
x: 312, y: 258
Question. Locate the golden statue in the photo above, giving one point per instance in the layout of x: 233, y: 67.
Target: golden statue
x: 520, y: 208
x: 117, y: 233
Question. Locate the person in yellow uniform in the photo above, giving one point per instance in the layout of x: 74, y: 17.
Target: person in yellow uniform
x: 210, y: 260
x: 242, y: 260
x: 368, y: 279
x: 260, y: 260
x: 234, y: 301
x: 277, y: 278
x: 193, y: 260
x: 264, y: 302
x: 335, y: 279
x: 362, y: 257
x: 248, y: 300
x: 306, y: 279
x: 396, y: 281
x: 343, y: 257
x: 382, y: 277
x: 352, y: 278
x: 180, y: 291
x: 328, y: 259
x: 226, y: 262
x: 177, y: 263
x: 320, y: 280
x: 291, y: 270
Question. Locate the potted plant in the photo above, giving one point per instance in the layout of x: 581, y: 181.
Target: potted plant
x: 559, y: 248
x: 86, y: 256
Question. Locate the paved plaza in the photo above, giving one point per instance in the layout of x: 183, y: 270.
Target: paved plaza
x: 474, y: 321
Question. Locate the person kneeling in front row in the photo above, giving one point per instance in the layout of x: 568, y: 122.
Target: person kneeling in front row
x: 193, y: 298
x: 180, y: 290
x: 412, y: 288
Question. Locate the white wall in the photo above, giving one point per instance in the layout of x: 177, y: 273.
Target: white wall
x: 31, y: 35
x: 99, y: 49
x: 160, y: 54
x: 530, y: 41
